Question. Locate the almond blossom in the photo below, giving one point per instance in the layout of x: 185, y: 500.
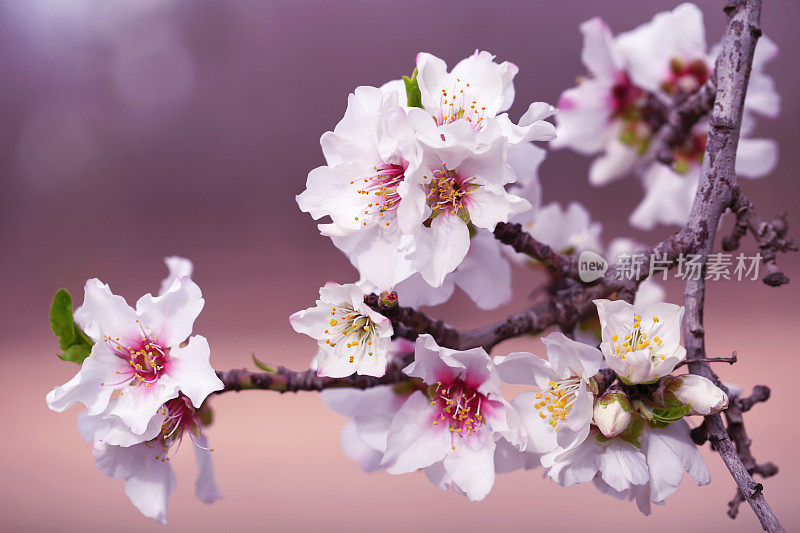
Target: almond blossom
x: 144, y: 356
x: 698, y: 393
x: 351, y: 336
x: 640, y: 343
x: 362, y: 188
x: 669, y: 452
x: 451, y: 427
x: 557, y: 416
x: 460, y: 186
x: 475, y: 94
x: 143, y: 460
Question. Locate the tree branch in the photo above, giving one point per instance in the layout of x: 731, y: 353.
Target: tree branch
x: 715, y: 193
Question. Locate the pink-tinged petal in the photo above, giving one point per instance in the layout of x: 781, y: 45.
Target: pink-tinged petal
x: 756, y: 158
x: 488, y: 206
x: 541, y: 435
x: 668, y: 198
x: 205, y: 488
x: 171, y: 316
x: 571, y: 358
x: 113, y: 431
x: 575, y: 428
x: 93, y: 384
x: 414, y: 441
x: 485, y: 274
x: 310, y: 321
x: 190, y: 369
x: 136, y: 406
x: 522, y: 368
x: 598, y: 54
x: 621, y: 466
x: 617, y: 162
x: 356, y: 449
x: 669, y: 451
x: 441, y: 248
x: 584, y: 118
x: 578, y: 465
x: 471, y: 465
x: 431, y: 71
x: 148, y: 481
x: 104, y: 313
x: 178, y: 267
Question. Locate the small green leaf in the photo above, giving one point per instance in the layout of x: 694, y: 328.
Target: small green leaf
x: 263, y: 366
x: 76, y: 353
x: 413, y: 94
x: 61, y: 319
x: 76, y: 345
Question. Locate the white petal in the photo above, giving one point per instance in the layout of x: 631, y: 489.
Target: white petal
x: 441, y: 248
x: 471, y: 465
x: 413, y: 441
x: 206, y: 485
x: 190, y: 368
x: 179, y: 267
x: 171, y: 316
x: 104, y: 313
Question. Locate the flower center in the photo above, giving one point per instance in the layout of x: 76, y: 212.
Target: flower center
x: 448, y: 192
x: 557, y: 400
x: 348, y: 326
x: 459, y: 406
x: 454, y: 105
x: 690, y: 153
x: 380, y: 190
x: 626, y: 97
x: 685, y: 77
x: 181, y: 417
x: 638, y: 340
x: 145, y: 355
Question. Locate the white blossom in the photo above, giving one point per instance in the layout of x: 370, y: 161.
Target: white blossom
x: 450, y: 429
x: 145, y: 356
x: 698, y: 393
x: 612, y: 413
x: 640, y: 343
x: 352, y: 337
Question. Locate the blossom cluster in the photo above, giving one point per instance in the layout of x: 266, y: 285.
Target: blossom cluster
x: 616, y: 110
x: 417, y: 175
x: 144, y: 385
x: 612, y: 415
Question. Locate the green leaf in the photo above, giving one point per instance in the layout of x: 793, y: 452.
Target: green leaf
x: 76, y: 345
x: 263, y: 366
x: 413, y: 94
x: 76, y: 353
x: 61, y: 319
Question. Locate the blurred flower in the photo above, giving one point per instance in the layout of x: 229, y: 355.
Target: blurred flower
x: 568, y: 231
x: 352, y: 337
x: 640, y: 343
x: 450, y: 429
x: 145, y: 355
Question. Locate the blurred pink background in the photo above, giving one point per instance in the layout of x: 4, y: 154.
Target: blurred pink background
x: 135, y: 129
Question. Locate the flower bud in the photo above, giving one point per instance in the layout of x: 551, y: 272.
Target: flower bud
x: 612, y: 413
x: 700, y: 394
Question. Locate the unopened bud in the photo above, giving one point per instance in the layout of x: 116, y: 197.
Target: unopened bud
x: 698, y: 393
x: 612, y: 413
x: 388, y: 299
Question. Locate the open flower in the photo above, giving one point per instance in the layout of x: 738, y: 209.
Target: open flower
x: 640, y: 343
x: 459, y: 186
x: 451, y: 428
x: 144, y: 355
x: 363, y: 186
x: 352, y: 337
x: 144, y: 464
x: 559, y: 414
x: 474, y: 95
